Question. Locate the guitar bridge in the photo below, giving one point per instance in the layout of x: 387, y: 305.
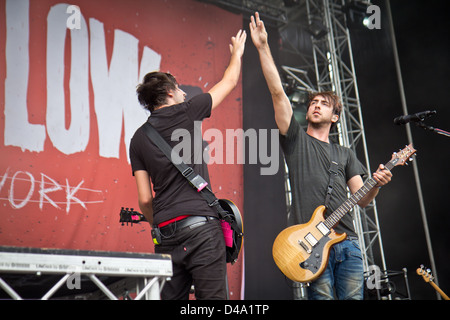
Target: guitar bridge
x: 304, y: 246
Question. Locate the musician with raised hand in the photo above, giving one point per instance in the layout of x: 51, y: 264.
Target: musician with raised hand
x: 183, y: 223
x: 308, y: 156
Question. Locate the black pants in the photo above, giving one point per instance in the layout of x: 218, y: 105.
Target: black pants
x: 198, y: 257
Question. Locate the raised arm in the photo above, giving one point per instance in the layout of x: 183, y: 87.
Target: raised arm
x: 281, y: 103
x: 231, y: 76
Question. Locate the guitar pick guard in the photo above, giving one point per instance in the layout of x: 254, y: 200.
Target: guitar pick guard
x: 314, y: 261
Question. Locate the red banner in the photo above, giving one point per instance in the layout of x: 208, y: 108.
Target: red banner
x: 69, y: 109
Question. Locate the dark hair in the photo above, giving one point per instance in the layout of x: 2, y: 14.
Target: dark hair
x: 152, y: 92
x: 331, y: 97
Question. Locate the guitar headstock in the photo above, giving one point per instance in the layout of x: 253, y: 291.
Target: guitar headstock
x: 130, y: 216
x: 403, y: 156
x: 426, y: 274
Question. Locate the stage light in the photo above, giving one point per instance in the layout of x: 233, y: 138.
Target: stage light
x: 291, y: 3
x: 317, y: 29
x: 366, y: 22
x: 356, y: 14
x: 299, y: 101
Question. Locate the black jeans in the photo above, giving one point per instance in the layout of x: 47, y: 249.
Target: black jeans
x: 198, y: 257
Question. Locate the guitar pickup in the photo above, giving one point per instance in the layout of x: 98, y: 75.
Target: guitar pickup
x: 311, y: 239
x: 323, y: 228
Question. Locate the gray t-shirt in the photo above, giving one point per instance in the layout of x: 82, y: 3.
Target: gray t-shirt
x: 308, y: 161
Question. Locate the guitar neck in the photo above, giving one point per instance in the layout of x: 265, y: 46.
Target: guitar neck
x: 337, y: 215
x: 435, y: 286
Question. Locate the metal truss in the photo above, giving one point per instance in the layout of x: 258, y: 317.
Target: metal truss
x: 273, y: 11
x: 114, y: 274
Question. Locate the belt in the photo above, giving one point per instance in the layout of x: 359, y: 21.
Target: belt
x: 165, y: 223
x: 191, y: 222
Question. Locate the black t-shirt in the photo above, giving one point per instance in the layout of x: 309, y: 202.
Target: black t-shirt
x: 174, y: 196
x: 308, y: 161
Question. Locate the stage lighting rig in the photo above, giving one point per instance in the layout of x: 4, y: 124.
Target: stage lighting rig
x: 356, y: 14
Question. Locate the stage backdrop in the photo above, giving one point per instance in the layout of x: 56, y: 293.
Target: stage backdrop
x: 68, y: 111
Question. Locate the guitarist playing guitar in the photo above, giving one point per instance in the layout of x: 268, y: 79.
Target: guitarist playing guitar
x: 308, y: 156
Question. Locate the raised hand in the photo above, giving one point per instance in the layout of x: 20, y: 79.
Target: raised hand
x: 237, y: 44
x: 231, y: 75
x: 258, y: 31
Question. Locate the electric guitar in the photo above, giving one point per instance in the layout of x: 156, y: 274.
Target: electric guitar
x: 428, y: 277
x: 130, y: 216
x: 301, y: 251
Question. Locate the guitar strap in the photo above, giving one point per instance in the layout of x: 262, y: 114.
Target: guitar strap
x: 333, y: 173
x: 194, y: 179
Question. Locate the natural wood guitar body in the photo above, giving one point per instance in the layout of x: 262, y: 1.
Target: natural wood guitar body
x: 290, y: 249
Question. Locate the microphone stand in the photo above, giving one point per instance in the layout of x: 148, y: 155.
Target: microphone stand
x: 430, y: 128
